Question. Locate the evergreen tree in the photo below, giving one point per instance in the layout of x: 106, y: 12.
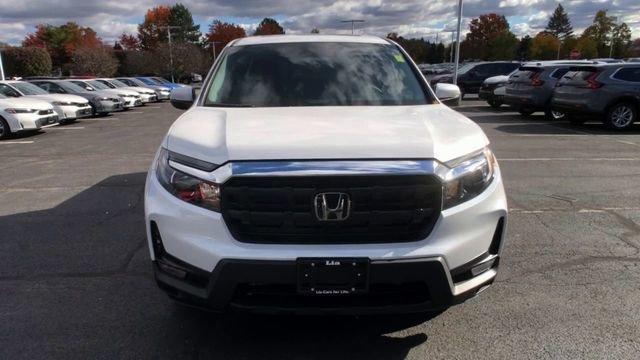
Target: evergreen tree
x: 559, y: 24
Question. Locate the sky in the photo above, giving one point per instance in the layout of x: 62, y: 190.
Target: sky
x: 409, y: 18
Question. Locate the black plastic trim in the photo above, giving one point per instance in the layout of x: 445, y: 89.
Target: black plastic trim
x: 192, y: 162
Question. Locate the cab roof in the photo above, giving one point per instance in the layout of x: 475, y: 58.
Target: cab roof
x: 278, y: 39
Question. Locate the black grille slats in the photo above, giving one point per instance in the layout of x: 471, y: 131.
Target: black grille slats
x: 280, y: 209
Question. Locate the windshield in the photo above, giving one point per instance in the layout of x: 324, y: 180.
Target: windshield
x: 98, y: 85
x: 148, y: 81
x: 71, y: 87
x: 161, y: 80
x: 315, y: 74
x: 137, y: 82
x: 118, y: 83
x: 464, y: 68
x: 106, y: 83
x: 29, y: 89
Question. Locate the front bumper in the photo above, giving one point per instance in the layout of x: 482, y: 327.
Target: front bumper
x: 146, y: 98
x: 462, y: 235
x: 109, y: 106
x: 163, y: 95
x: 71, y: 112
x: 22, y: 122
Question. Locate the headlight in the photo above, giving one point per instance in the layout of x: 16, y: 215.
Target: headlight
x: 123, y: 95
x: 186, y: 187
x: 467, y: 177
x: 61, y: 103
x: 20, y: 111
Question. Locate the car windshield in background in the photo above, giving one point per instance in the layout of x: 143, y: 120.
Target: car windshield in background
x: 98, y: 85
x: 71, y: 87
x: 315, y: 74
x: 118, y: 83
x: 28, y: 88
x: 161, y: 80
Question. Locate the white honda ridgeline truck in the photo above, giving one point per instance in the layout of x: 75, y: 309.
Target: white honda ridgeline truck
x: 321, y: 174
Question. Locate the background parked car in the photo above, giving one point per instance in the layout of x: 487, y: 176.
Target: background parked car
x: 471, y: 76
x: 156, y: 80
x: 146, y: 94
x: 492, y: 90
x: 102, y: 103
x: 130, y: 98
x: 24, y: 114
x: 68, y: 107
x: 163, y: 92
x: 531, y: 87
x: 609, y: 91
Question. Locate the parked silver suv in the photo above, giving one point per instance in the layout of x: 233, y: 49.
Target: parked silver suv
x: 530, y: 88
x: 610, y: 91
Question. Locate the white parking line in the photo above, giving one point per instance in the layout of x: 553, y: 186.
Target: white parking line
x: 101, y: 119
x: 132, y: 112
x: 66, y: 128
x: 15, y: 142
x: 582, y: 211
x: 569, y: 159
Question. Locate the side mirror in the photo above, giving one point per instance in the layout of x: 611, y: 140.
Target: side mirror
x: 448, y: 94
x: 183, y: 97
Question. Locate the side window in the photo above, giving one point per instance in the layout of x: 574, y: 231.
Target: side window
x: 55, y: 89
x: 483, y: 70
x: 628, y: 74
x: 559, y: 73
x: 8, y: 91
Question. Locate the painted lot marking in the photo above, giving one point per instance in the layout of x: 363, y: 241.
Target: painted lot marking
x: 15, y: 142
x: 103, y: 119
x: 581, y: 211
x: 66, y: 128
x: 133, y: 112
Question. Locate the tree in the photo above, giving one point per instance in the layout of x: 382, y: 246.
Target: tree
x: 187, y: 30
x: 636, y: 48
x: 221, y: 33
x: 26, y: 61
x: 152, y: 31
x: 269, y: 26
x: 62, y: 41
x: 622, y: 45
x: 559, y: 24
x: 94, y: 62
x: 187, y: 58
x: 524, y: 48
x: 488, y: 34
x: 128, y: 42
x: 600, y: 32
x: 587, y: 46
x: 544, y: 46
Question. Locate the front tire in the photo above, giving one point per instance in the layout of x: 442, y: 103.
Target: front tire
x: 5, y: 131
x: 621, y: 116
x: 554, y: 115
x: 495, y: 104
x: 525, y: 112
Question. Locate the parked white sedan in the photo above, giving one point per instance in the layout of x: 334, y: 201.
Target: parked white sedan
x: 146, y: 94
x: 131, y: 98
x: 23, y: 114
x: 68, y: 107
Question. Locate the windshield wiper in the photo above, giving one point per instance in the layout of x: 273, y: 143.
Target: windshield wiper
x: 218, y: 104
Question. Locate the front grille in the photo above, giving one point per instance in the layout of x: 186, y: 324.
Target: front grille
x: 280, y: 210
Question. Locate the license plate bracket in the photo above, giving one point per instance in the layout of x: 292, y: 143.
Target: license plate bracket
x: 333, y: 276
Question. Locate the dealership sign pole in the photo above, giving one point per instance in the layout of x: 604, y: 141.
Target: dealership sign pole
x: 455, y: 74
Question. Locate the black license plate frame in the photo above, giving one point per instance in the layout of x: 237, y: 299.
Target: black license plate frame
x: 333, y: 276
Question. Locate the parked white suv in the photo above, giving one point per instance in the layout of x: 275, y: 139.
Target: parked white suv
x: 320, y: 174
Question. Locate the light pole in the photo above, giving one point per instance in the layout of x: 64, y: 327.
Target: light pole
x: 352, y: 24
x: 450, y: 49
x: 1, y: 67
x: 213, y: 45
x: 170, y: 49
x: 455, y: 69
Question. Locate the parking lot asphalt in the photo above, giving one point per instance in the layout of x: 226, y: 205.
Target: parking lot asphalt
x: 76, y: 281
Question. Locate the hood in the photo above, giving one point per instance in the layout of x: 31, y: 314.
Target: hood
x: 60, y: 97
x: 139, y: 89
x: 497, y: 79
x: 25, y: 102
x: 349, y: 132
x: 124, y: 91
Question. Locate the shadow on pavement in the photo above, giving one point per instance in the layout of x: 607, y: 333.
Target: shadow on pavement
x: 78, y: 272
x: 247, y: 336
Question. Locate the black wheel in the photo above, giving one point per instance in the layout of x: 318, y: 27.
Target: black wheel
x: 495, y: 104
x: 554, y: 115
x: 5, y: 131
x: 103, y: 114
x: 621, y: 116
x: 525, y: 112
